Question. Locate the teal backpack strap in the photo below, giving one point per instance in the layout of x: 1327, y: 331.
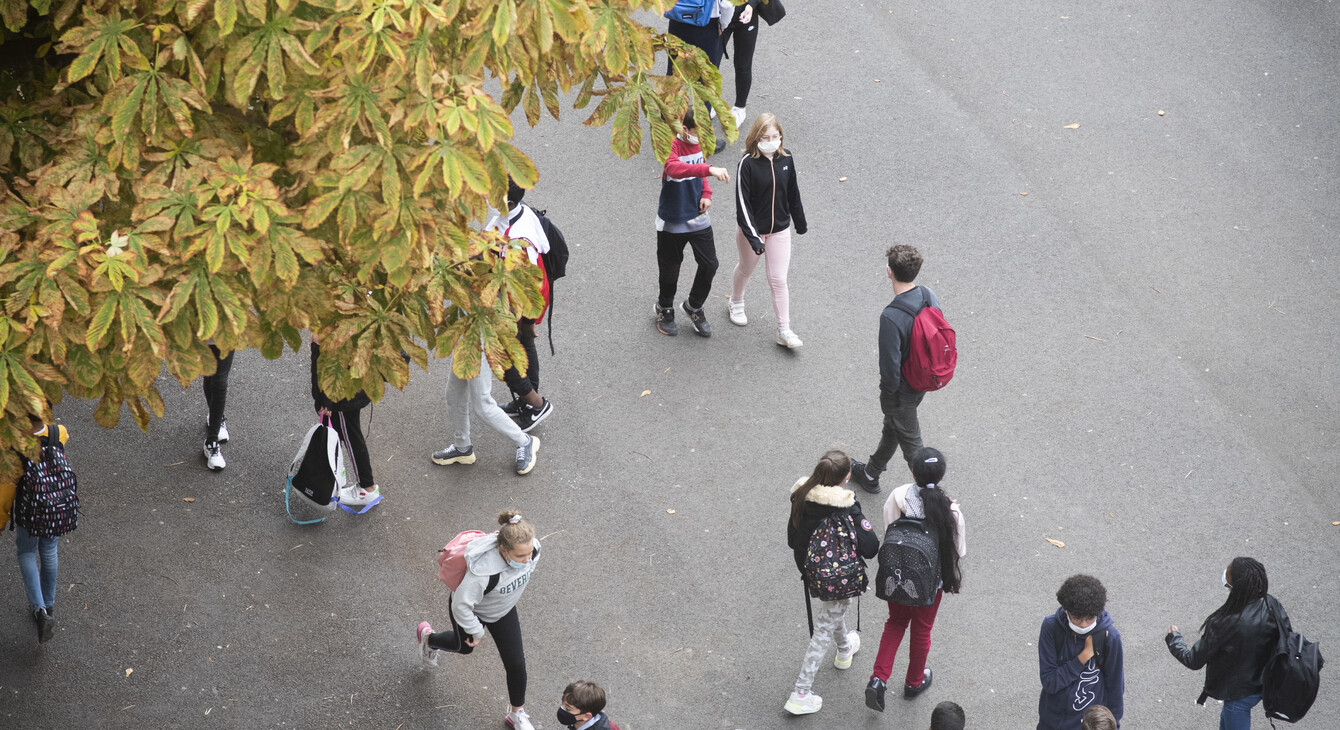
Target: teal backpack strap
x: 288, y: 487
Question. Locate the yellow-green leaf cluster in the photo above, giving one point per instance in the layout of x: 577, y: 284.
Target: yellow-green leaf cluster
x: 176, y: 174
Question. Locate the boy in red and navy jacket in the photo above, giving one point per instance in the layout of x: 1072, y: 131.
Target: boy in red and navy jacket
x: 681, y: 218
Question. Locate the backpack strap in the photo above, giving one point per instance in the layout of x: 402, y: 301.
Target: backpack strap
x: 288, y: 487
x: 905, y: 307
x: 809, y: 611
x: 493, y: 581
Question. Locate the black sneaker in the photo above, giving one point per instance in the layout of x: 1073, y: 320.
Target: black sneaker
x: 513, y: 409
x: 874, y: 694
x: 911, y: 691
x: 46, y: 625
x: 665, y: 320
x: 863, y: 478
x: 698, y: 318
x: 530, y: 417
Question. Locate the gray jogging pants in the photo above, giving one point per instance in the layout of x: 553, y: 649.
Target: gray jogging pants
x: 476, y: 395
x: 830, y: 625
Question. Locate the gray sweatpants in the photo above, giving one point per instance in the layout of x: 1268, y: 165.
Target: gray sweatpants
x: 830, y: 625
x: 476, y: 394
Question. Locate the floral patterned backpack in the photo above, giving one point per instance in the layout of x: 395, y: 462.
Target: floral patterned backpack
x: 833, y: 568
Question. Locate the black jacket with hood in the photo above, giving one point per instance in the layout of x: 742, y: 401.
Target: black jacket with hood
x: 821, y: 503
x: 1234, y: 650
x: 766, y: 197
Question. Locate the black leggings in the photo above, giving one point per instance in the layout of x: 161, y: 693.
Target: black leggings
x: 520, y: 385
x: 669, y: 256
x: 351, y: 431
x: 216, y: 393
x: 506, y: 633
x: 705, y: 37
x: 743, y: 37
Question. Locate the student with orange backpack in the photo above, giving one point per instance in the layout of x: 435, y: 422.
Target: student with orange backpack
x: 916, y: 354
x: 487, y: 575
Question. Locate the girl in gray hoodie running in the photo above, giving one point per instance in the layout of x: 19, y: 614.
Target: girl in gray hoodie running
x: 498, y: 569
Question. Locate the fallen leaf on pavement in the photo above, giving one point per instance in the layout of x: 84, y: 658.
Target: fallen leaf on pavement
x: 1071, y: 126
x: 1335, y: 523
x: 1057, y: 543
x: 842, y: 179
x: 188, y: 499
x: 128, y: 671
x: 1160, y: 112
x: 1024, y: 194
x: 669, y: 511
x: 645, y: 393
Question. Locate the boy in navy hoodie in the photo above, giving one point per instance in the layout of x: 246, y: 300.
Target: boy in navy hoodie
x: 681, y: 218
x: 1079, y: 657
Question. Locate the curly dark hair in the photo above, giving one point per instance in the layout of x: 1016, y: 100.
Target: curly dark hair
x: 1082, y: 596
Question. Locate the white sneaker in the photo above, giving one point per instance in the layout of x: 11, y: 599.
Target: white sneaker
x: 214, y: 456
x: 738, y: 113
x: 804, y: 704
x: 787, y: 338
x: 519, y: 719
x: 427, y: 654
x: 737, y: 313
x: 843, y: 658
x: 223, y: 431
x: 356, y: 496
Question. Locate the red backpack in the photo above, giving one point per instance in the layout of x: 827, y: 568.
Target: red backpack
x: 931, y: 354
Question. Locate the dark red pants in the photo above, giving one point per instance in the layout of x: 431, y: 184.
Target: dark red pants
x: 921, y: 619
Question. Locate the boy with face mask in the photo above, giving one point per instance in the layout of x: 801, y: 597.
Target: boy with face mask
x: 681, y: 218
x: 582, y: 707
x: 1079, y: 657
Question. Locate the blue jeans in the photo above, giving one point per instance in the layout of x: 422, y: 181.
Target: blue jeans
x: 40, y: 583
x: 1237, y: 714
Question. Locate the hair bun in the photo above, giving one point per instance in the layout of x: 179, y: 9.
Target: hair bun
x: 510, y: 517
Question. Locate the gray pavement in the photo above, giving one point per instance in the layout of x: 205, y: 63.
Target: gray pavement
x: 1146, y: 374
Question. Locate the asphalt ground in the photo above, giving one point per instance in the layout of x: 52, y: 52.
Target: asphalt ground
x: 1147, y: 374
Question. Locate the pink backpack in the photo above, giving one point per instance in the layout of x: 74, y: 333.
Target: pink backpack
x: 451, y: 559
x: 932, y: 352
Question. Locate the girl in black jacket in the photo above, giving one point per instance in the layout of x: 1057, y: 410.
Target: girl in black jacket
x: 344, y: 417
x: 821, y: 502
x: 767, y: 202
x: 1235, y: 643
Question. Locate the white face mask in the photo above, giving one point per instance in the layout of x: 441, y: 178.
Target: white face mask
x: 691, y: 138
x: 768, y: 148
x: 1081, y: 631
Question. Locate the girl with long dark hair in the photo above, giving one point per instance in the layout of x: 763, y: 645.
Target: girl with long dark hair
x: 1235, y: 643
x: 820, y: 504
x: 925, y: 500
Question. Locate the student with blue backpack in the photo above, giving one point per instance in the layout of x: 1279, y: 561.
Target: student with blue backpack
x: 918, y: 564
x: 830, y: 540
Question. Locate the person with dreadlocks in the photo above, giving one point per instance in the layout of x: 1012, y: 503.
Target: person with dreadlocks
x: 1235, y: 643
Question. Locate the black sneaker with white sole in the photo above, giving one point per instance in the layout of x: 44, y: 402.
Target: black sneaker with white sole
x: 665, y: 320
x: 530, y: 417
x: 699, y: 319
x: 863, y: 478
x: 512, y: 408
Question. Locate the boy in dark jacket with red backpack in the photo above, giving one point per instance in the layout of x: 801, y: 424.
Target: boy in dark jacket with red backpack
x: 897, y: 398
x: 681, y: 218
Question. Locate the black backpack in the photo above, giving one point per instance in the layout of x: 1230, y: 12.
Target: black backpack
x: 556, y: 259
x: 1292, y: 674
x: 909, y: 564
x: 555, y: 263
x: 47, y: 498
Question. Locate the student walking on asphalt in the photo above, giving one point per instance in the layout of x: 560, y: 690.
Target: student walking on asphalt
x: 498, y: 569
x: 1235, y: 643
x: 1079, y: 657
x: 45, y: 506
x: 897, y: 399
x: 527, y: 407
x: 740, y: 26
x: 830, y: 540
x: 682, y: 219
x: 216, y: 397
x: 925, y: 500
x: 344, y: 417
x: 767, y: 202
x: 475, y: 394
